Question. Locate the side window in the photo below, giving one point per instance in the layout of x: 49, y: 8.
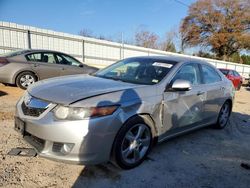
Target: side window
x: 66, y: 60
x: 236, y: 74
x: 34, y: 57
x: 210, y: 75
x: 48, y: 58
x: 190, y: 73
x: 59, y: 59
x: 230, y: 73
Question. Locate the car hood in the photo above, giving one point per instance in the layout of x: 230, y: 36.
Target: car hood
x: 69, y: 89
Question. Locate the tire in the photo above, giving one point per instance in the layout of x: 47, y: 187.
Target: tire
x: 224, y: 115
x: 239, y: 86
x: 24, y: 79
x: 132, y: 143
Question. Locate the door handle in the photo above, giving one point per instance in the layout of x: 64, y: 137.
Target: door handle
x: 200, y: 93
x: 36, y: 65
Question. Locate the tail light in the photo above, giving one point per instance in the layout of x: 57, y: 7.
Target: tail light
x: 3, y: 61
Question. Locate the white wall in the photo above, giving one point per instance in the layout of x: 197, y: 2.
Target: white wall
x: 91, y: 51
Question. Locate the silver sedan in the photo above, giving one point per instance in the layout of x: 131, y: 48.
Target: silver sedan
x: 118, y: 113
x: 24, y: 67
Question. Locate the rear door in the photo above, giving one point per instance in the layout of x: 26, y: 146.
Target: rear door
x: 44, y: 64
x: 183, y: 109
x: 231, y: 77
x: 214, y: 89
x: 237, y: 79
x: 70, y: 65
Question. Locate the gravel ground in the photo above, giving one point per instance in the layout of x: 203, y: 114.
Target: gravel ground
x: 205, y: 158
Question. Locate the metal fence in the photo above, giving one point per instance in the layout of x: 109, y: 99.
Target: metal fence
x: 91, y: 51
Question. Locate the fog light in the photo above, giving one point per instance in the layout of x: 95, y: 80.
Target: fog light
x: 66, y: 149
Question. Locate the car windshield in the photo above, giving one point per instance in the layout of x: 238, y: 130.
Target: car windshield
x: 14, y: 53
x: 137, y: 70
x: 224, y: 71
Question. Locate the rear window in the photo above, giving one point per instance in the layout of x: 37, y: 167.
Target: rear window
x: 210, y: 75
x: 225, y: 72
x: 34, y: 57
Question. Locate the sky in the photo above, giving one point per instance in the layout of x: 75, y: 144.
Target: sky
x: 108, y: 18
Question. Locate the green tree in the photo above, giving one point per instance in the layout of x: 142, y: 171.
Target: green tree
x: 235, y: 58
x: 170, y: 47
x: 205, y: 55
x: 245, y: 59
x: 168, y: 43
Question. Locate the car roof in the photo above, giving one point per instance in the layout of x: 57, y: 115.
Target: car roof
x: 173, y: 58
x: 41, y: 50
x: 27, y: 51
x: 226, y: 69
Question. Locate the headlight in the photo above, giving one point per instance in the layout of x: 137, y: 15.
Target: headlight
x: 77, y: 113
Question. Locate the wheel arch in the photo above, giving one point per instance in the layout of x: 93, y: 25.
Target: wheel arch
x: 148, y: 120
x: 24, y: 70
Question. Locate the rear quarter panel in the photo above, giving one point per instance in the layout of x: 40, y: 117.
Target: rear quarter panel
x: 9, y: 72
x: 16, y: 68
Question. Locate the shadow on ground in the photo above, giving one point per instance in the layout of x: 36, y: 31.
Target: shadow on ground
x: 2, y: 93
x: 203, y: 158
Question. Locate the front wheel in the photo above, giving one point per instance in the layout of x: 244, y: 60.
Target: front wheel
x: 223, y: 115
x: 132, y: 144
x: 25, y: 79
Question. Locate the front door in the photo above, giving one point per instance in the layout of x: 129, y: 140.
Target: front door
x: 69, y: 65
x: 184, y: 108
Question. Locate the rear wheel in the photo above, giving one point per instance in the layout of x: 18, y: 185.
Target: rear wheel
x: 239, y: 86
x: 223, y: 115
x: 25, y: 79
x: 132, y: 144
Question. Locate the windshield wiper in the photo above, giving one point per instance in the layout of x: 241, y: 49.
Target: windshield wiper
x: 106, y: 77
x: 118, y: 79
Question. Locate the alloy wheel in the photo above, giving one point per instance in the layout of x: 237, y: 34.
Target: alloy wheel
x: 27, y: 80
x: 136, y: 143
x: 224, y: 115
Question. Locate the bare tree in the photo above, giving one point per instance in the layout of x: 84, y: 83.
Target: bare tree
x: 86, y: 33
x: 146, y: 39
x: 222, y: 25
x: 89, y: 33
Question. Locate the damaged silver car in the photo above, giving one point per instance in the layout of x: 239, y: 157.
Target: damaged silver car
x: 118, y: 113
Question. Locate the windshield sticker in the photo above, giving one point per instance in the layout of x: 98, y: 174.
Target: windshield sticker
x: 155, y: 81
x: 159, y: 64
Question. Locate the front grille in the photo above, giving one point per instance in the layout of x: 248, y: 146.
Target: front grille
x: 30, y: 111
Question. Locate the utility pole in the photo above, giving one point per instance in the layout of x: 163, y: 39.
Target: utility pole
x: 122, y: 39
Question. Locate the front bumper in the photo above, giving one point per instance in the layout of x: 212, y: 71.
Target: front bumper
x: 86, y: 141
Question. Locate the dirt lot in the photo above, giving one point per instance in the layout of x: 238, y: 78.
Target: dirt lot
x: 205, y: 158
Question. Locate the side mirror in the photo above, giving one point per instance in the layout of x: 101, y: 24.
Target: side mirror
x: 81, y: 65
x: 181, y: 85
